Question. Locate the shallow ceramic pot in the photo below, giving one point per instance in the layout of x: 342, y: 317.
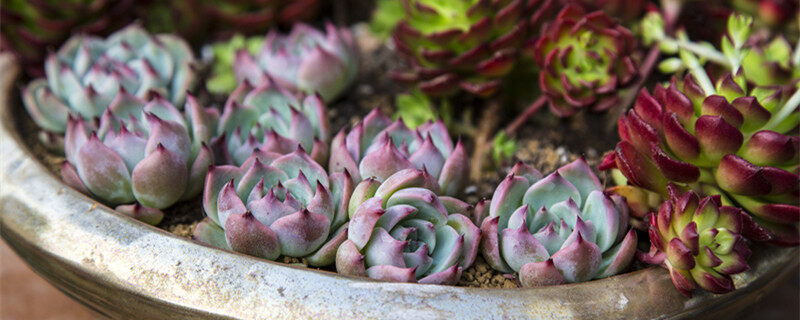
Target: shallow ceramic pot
x: 122, y: 268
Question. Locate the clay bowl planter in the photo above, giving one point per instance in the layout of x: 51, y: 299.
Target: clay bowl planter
x: 122, y: 268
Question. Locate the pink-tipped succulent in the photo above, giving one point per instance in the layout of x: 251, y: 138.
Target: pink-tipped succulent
x: 734, y: 143
x: 558, y: 229
x: 141, y: 156
x: 271, y: 118
x: 464, y: 45
x: 378, y: 147
x: 30, y: 28
x: 276, y: 205
x: 585, y: 60
x: 401, y: 230
x: 306, y: 60
x: 87, y: 73
x: 698, y: 241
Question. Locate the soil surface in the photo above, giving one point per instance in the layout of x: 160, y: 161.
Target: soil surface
x: 545, y: 141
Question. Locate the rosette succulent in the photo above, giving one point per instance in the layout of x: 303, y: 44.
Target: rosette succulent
x: 401, y: 230
x: 274, y: 205
x: 271, y: 118
x: 733, y: 142
x: 625, y: 10
x: 200, y: 20
x: 306, y: 59
x: 463, y: 45
x: 378, y: 147
x: 143, y: 156
x: 32, y: 27
x: 585, y: 60
x: 87, y: 73
x: 698, y: 241
x: 558, y: 229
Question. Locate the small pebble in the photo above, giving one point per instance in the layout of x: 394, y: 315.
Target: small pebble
x: 471, y: 190
x: 365, y: 90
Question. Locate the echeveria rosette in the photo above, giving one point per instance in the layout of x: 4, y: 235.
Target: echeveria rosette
x: 378, y: 147
x: 401, y: 230
x: 306, y: 59
x: 734, y: 143
x: 276, y: 205
x: 30, y: 28
x: 558, y: 229
x: 585, y: 59
x: 464, y: 45
x: 698, y: 241
x: 271, y: 118
x: 142, y: 156
x: 85, y: 75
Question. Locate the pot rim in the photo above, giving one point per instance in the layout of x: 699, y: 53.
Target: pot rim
x: 76, y: 244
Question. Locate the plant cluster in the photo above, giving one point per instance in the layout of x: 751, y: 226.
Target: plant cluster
x: 707, y: 162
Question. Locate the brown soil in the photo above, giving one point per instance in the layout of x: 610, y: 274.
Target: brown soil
x: 546, y: 142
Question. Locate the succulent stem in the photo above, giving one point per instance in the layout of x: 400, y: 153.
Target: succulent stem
x: 796, y: 57
x: 698, y: 49
x: 696, y: 68
x: 483, y: 138
x: 631, y: 93
x: 529, y: 111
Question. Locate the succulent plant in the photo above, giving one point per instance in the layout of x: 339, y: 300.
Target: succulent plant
x: 199, y: 20
x: 306, y: 59
x: 762, y: 60
x: 378, y: 147
x: 698, y: 241
x: 585, y: 60
x: 625, y: 10
x: 558, y: 229
x: 275, y: 205
x: 401, y: 230
x: 142, y: 156
x: 771, y: 63
x: 731, y: 142
x: 271, y: 118
x: 222, y: 80
x: 30, y: 28
x: 463, y: 45
x: 87, y: 73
